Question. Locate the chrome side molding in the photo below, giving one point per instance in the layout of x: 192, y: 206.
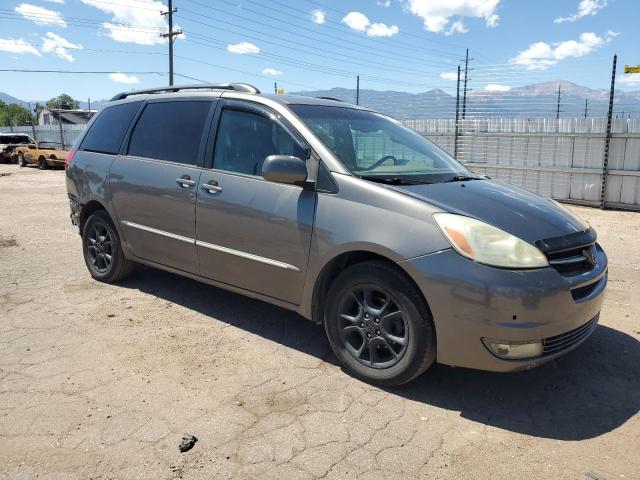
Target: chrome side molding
x: 211, y: 246
x: 249, y: 256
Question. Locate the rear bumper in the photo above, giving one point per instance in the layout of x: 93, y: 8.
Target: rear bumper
x: 76, y: 210
x: 470, y: 302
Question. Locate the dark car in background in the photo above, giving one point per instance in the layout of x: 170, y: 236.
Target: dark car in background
x: 341, y: 214
x: 8, y: 144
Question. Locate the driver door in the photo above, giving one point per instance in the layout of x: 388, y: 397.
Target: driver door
x: 253, y: 233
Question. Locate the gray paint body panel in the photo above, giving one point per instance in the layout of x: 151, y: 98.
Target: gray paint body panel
x: 259, y: 218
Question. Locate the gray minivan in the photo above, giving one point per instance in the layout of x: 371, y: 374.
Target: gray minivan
x: 341, y: 214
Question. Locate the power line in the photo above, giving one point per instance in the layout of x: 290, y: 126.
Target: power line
x: 25, y: 70
x: 351, y: 60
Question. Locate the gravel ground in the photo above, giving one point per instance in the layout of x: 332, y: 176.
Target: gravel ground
x: 102, y: 381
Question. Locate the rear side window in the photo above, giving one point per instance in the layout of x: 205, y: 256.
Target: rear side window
x: 170, y: 131
x: 106, y: 133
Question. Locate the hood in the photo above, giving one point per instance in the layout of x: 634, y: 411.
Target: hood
x: 512, y: 209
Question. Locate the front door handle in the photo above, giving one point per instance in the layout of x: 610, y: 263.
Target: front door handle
x: 211, y: 187
x: 185, y: 181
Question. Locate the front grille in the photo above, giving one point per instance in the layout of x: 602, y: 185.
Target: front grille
x: 568, y: 339
x: 573, y: 261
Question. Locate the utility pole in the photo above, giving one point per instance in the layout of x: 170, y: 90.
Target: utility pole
x: 357, y: 89
x: 170, y: 35
x: 607, y: 138
x: 88, y: 103
x: 455, y: 138
x: 275, y: 87
x: 466, y: 76
x: 558, y: 107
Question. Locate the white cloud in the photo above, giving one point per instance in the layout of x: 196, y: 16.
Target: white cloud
x: 632, y: 79
x: 356, y: 20
x: 272, y: 72
x: 318, y: 16
x: 41, y: 16
x: 360, y: 22
x: 436, y: 14
x: 150, y: 24
x: 384, y: 3
x: 585, y: 8
x: 242, y: 48
x: 382, y: 30
x: 495, y: 87
x: 124, y: 78
x: 451, y: 76
x: 59, y: 46
x: 542, y: 55
x: 457, y: 27
x: 18, y: 45
x: 61, y: 2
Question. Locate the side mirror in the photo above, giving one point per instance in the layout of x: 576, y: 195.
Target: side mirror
x: 284, y: 169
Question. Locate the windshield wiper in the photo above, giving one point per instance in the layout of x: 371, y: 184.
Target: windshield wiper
x: 461, y: 178
x: 391, y: 180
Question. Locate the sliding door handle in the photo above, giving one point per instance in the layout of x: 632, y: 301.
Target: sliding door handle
x: 211, y: 188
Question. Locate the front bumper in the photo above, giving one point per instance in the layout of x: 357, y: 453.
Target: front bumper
x: 470, y: 301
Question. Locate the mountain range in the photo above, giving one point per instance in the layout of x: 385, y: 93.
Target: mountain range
x: 535, y: 100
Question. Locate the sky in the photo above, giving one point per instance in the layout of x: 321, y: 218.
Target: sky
x: 402, y: 45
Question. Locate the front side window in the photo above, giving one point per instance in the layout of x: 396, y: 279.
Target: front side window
x: 170, y: 131
x: 245, y: 139
x: 374, y: 146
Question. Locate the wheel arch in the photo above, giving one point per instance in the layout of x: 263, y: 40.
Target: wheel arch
x: 341, y: 262
x: 88, y: 209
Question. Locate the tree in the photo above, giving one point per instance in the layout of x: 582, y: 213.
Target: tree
x: 63, y: 102
x: 13, y: 114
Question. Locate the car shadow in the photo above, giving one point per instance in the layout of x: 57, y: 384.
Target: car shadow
x: 587, y: 393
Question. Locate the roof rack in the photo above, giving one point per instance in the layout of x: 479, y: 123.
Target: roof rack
x: 238, y: 87
x: 331, y: 98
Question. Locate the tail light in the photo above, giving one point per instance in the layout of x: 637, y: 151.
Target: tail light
x: 69, y: 158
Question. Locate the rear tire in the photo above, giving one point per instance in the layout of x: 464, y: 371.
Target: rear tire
x: 102, y: 249
x: 42, y: 163
x: 379, y: 325
x: 21, y: 161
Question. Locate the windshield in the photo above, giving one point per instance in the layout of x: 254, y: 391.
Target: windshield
x: 377, y: 147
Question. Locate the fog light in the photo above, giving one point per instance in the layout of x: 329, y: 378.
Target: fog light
x: 514, y: 350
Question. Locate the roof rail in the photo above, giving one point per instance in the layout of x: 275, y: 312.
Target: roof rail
x: 238, y: 87
x: 331, y: 98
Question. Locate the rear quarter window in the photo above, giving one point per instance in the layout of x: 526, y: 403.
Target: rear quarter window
x: 170, y: 131
x: 106, y: 133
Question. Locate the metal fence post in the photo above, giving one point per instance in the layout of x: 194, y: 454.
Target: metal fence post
x: 607, y: 138
x: 33, y: 128
x: 457, y: 131
x: 60, y: 123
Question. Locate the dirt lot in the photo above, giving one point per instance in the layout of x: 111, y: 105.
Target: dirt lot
x: 101, y: 381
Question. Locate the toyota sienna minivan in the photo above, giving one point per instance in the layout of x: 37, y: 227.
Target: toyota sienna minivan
x: 341, y: 214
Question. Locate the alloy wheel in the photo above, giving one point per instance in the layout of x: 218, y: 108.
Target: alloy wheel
x: 372, y: 326
x: 99, y: 247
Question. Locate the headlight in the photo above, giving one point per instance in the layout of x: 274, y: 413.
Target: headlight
x: 487, y: 244
x: 582, y: 223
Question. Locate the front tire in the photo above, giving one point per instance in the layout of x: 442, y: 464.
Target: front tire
x: 42, y: 163
x: 102, y: 250
x: 379, y: 325
x: 21, y: 161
